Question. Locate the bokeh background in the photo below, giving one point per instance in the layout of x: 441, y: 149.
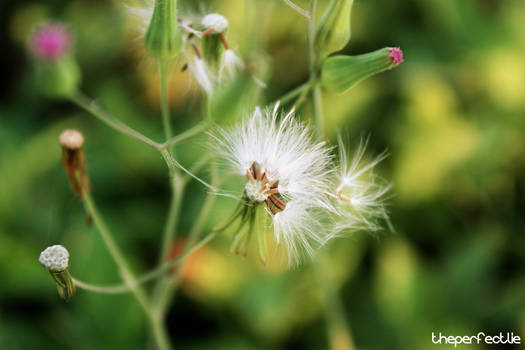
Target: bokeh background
x: 452, y: 117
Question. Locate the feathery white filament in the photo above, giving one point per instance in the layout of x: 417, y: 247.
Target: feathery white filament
x: 230, y: 64
x: 361, y: 193
x: 201, y: 73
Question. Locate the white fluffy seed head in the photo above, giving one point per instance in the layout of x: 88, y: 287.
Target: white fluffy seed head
x: 71, y: 139
x: 55, y: 258
x: 218, y: 23
x: 361, y: 194
x: 289, y: 155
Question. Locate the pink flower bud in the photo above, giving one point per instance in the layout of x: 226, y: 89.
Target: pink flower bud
x: 50, y: 42
x: 396, y: 55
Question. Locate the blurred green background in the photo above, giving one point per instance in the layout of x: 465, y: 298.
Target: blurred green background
x: 452, y: 117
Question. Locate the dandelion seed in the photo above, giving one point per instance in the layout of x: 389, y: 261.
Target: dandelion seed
x: 360, y: 193
x: 287, y: 172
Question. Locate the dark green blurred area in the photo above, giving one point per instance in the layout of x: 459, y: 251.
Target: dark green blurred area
x: 452, y: 117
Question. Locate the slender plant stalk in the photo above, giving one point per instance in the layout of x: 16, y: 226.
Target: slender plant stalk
x: 317, y: 104
x: 92, y: 107
x: 295, y: 92
x: 161, y: 338
x: 197, y: 129
x: 298, y: 9
x: 339, y: 332
x: 166, y: 120
x: 168, y: 293
x: 149, y: 276
x: 314, y: 73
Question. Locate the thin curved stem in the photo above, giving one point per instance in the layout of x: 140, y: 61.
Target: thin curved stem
x: 300, y: 90
x: 167, y: 293
x: 161, y: 338
x: 298, y: 9
x: 186, y: 134
x: 151, y: 275
x: 92, y: 107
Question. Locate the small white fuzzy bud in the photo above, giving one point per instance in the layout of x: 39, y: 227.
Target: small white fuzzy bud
x: 71, y: 139
x: 214, y: 21
x: 55, y: 258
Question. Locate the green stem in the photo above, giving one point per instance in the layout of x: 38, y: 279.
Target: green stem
x: 186, y: 134
x: 317, y: 104
x: 168, y: 291
x: 161, y: 338
x: 295, y: 92
x: 92, y: 107
x: 314, y: 74
x: 166, y: 120
x: 124, y: 288
x: 298, y: 9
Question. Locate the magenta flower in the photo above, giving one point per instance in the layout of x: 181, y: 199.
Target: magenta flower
x: 396, y: 55
x: 50, y: 42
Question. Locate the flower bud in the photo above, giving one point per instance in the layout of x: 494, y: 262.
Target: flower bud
x: 56, y: 260
x: 333, y: 28
x: 73, y: 160
x: 57, y: 73
x: 340, y: 73
x: 163, y: 39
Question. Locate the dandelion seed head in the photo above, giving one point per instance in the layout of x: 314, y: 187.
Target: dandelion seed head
x: 218, y: 23
x: 287, y: 170
x: 54, y: 258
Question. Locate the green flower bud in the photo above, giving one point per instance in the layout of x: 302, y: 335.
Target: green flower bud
x: 340, y: 73
x: 56, y: 260
x: 59, y: 78
x: 56, y: 72
x: 333, y: 28
x: 163, y: 39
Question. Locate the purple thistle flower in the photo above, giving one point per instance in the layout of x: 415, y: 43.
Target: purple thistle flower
x: 50, y: 42
x: 396, y: 55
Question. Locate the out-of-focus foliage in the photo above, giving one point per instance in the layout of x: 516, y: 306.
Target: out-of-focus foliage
x: 452, y: 117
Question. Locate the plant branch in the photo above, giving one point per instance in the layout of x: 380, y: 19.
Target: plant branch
x: 314, y: 74
x: 300, y: 90
x: 161, y: 337
x: 149, y: 276
x: 166, y: 120
x: 92, y: 107
x: 167, y: 293
x: 298, y: 9
x: 186, y: 134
